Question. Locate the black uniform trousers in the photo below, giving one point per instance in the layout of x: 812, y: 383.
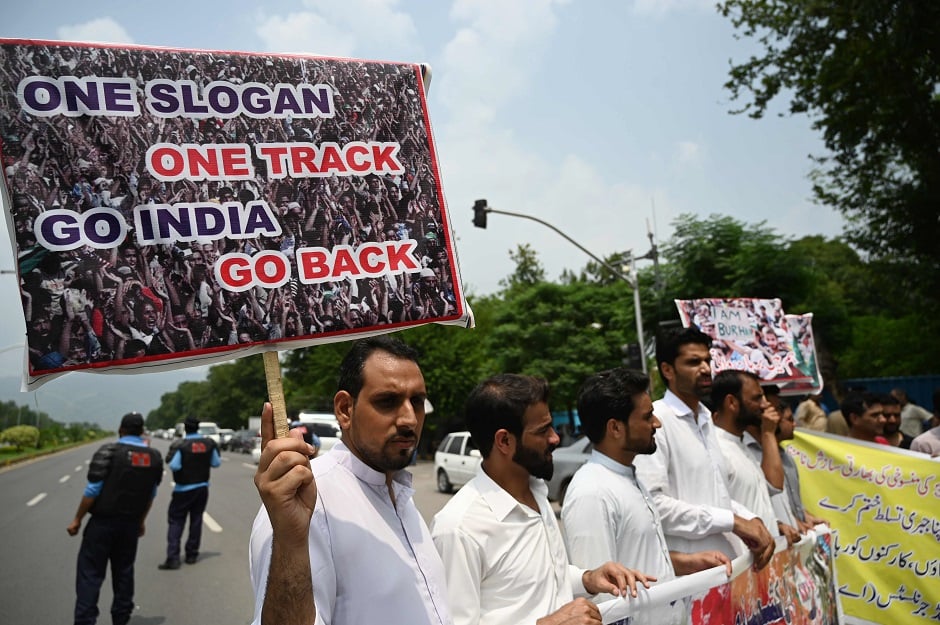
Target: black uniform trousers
x: 106, y: 539
x: 188, y: 503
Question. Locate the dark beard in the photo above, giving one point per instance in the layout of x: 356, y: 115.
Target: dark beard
x: 386, y: 461
x: 534, y: 462
x: 746, y: 418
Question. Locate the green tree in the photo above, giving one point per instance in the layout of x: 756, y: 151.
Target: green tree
x: 528, y: 271
x: 237, y: 391
x: 723, y: 257
x: 562, y: 332
x: 20, y: 436
x: 867, y: 73
x: 310, y: 375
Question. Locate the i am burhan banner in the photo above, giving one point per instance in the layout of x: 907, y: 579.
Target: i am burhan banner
x: 756, y: 335
x: 173, y: 208
x: 885, y: 503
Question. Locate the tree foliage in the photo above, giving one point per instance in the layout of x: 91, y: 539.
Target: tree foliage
x: 21, y: 436
x: 867, y: 74
x: 866, y: 324
x: 231, y: 393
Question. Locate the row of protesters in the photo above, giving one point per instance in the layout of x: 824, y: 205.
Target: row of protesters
x: 617, y: 415
x: 504, y: 557
x: 687, y: 475
x: 347, y: 520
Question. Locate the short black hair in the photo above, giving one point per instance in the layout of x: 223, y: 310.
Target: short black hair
x: 499, y: 403
x: 671, y: 339
x: 856, y: 403
x: 889, y: 399
x: 350, y: 369
x: 609, y: 395
x: 729, y: 382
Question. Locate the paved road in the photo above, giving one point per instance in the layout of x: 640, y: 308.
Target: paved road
x: 37, y: 579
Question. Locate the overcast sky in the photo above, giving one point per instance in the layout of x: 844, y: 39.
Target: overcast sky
x: 598, y: 117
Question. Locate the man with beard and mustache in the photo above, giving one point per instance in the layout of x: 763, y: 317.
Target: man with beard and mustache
x: 891, y: 409
x: 503, y: 553
x: 608, y: 513
x: 804, y: 519
x: 339, y: 539
x: 739, y: 404
x: 687, y: 474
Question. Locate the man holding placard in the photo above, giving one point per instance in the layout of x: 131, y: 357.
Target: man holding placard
x: 340, y: 537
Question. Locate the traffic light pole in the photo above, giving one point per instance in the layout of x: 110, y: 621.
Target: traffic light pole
x: 481, y: 209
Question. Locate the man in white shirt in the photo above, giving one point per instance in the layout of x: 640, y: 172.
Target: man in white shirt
x: 503, y: 553
x: 739, y: 402
x: 608, y: 514
x: 913, y: 417
x: 686, y: 475
x: 791, y: 477
x: 339, y: 538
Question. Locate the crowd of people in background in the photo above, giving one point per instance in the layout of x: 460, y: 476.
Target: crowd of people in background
x: 887, y: 418
x: 90, y: 305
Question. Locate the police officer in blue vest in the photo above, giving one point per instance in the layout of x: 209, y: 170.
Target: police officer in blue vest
x: 122, y: 482
x: 190, y: 459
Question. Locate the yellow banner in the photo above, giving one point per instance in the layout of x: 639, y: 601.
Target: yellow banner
x: 884, y: 503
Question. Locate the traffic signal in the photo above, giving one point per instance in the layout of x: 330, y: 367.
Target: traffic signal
x: 479, y: 213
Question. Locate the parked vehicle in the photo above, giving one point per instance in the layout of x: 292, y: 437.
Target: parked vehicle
x: 567, y: 460
x: 456, y: 461
x: 243, y: 440
x: 225, y: 434
x: 210, y: 430
x: 256, y: 451
x: 324, y: 425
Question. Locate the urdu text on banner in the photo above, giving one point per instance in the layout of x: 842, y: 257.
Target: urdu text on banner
x: 884, y: 502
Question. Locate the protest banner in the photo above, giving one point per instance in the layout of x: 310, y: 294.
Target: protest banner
x: 798, y: 587
x: 756, y: 335
x: 883, y: 502
x: 174, y: 207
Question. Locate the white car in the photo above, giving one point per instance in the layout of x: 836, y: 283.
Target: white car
x: 256, y: 451
x: 324, y: 425
x: 210, y: 430
x: 225, y: 434
x: 456, y: 461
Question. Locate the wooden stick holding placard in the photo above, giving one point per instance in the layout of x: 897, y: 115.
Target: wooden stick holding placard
x: 272, y: 372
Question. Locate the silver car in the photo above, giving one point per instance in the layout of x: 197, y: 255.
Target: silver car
x: 567, y: 460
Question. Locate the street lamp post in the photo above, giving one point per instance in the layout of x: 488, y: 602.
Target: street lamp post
x: 480, y: 211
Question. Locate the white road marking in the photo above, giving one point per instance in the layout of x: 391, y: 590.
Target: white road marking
x: 64, y: 479
x: 78, y: 468
x: 210, y: 523
x: 36, y: 499
x: 250, y: 466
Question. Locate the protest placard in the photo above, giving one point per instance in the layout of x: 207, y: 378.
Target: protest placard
x: 174, y: 207
x: 756, y: 335
x: 798, y: 587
